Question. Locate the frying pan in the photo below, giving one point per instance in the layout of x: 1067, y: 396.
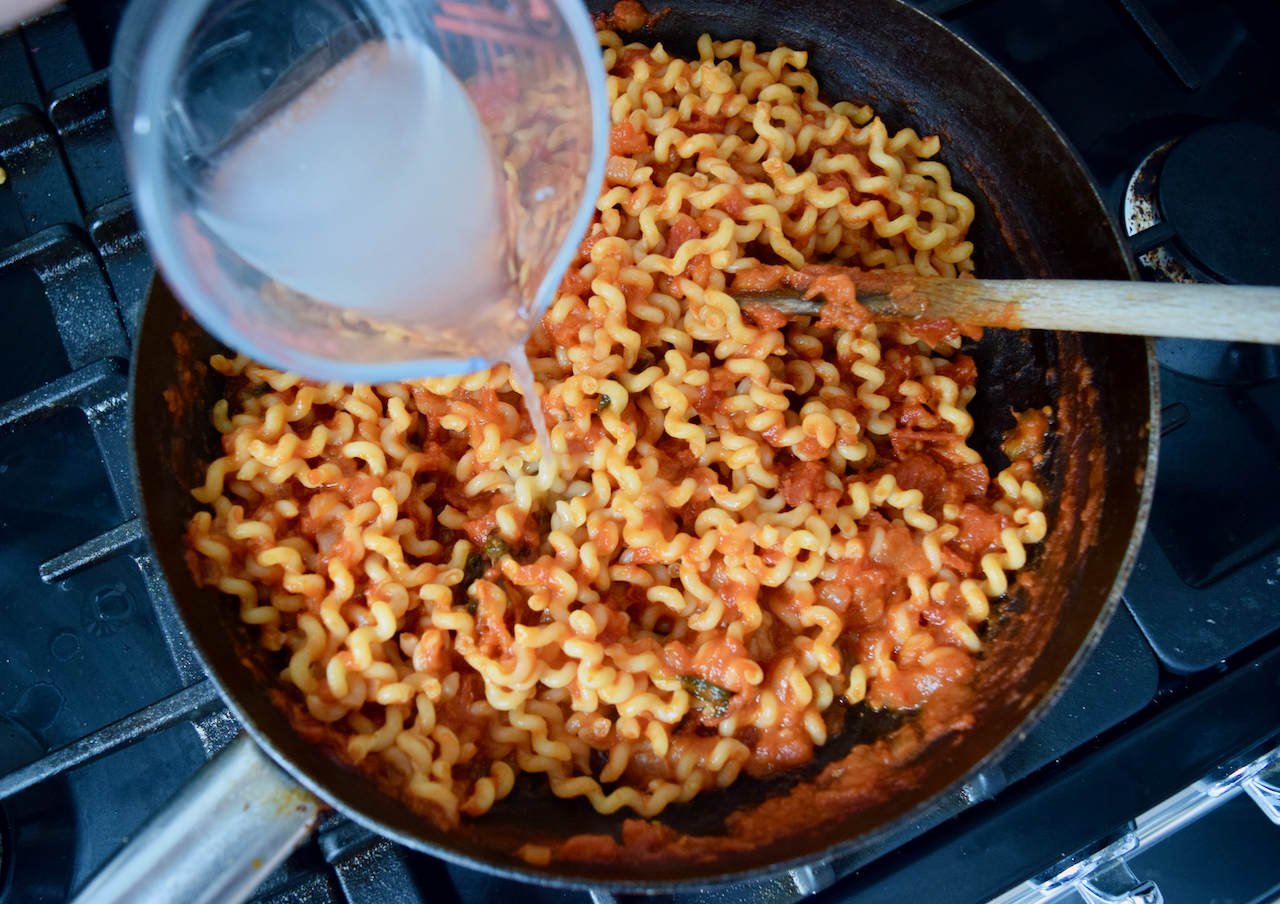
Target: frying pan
x: 1038, y: 215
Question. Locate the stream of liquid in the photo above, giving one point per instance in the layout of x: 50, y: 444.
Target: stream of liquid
x: 522, y: 376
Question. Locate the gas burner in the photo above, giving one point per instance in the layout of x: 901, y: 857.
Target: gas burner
x: 1189, y: 221
x: 1149, y: 236
x: 1188, y: 215
x: 1219, y: 225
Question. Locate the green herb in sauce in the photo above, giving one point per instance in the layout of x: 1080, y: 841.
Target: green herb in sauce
x: 711, y: 696
x: 495, y: 548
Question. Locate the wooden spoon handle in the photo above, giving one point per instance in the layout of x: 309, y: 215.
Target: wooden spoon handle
x: 1240, y: 313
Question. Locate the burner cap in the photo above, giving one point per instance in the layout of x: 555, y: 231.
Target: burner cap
x: 1217, y: 191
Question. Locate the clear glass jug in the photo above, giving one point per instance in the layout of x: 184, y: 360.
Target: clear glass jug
x: 363, y: 190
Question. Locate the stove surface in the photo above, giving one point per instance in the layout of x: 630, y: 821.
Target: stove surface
x: 104, y: 712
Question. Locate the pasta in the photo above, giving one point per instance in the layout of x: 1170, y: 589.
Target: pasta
x: 744, y: 526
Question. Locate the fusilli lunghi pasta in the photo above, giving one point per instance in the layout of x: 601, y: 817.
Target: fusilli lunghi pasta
x: 744, y: 526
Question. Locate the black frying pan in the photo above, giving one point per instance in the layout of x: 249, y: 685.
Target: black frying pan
x: 1038, y: 215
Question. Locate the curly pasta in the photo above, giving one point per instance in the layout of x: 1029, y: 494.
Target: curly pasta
x: 743, y: 525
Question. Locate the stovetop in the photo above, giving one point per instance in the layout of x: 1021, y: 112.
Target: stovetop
x: 104, y: 712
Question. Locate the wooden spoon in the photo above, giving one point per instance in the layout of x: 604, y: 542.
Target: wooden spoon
x: 1192, y: 311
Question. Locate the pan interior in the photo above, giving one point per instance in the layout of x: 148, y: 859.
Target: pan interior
x: 1038, y: 216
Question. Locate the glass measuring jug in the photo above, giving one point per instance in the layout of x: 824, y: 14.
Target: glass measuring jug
x: 363, y: 190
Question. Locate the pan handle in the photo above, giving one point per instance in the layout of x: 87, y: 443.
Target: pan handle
x: 216, y: 840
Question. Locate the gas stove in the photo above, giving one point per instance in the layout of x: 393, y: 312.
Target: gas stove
x: 1152, y: 775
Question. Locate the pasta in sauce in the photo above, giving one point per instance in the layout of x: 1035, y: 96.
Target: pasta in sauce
x: 745, y: 526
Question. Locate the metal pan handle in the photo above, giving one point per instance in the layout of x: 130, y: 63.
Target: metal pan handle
x: 216, y: 840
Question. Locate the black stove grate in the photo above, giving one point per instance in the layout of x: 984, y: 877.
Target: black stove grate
x: 104, y: 711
